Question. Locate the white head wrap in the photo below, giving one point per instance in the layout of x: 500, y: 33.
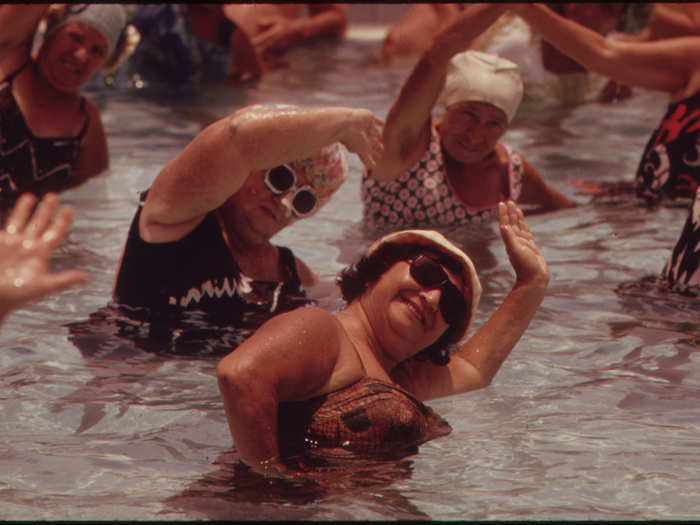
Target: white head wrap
x: 108, y: 19
x: 473, y: 76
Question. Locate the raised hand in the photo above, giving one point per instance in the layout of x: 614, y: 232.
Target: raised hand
x: 27, y: 241
x: 363, y: 136
x: 524, y: 255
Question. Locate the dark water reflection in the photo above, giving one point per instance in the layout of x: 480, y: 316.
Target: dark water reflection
x: 233, y: 491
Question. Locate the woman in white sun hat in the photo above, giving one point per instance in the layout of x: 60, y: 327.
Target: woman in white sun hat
x: 454, y: 170
x: 356, y: 379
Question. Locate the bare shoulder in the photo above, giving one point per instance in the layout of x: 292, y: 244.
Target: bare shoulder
x: 304, y: 323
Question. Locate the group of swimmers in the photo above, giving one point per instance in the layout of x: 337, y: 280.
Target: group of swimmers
x: 200, y: 240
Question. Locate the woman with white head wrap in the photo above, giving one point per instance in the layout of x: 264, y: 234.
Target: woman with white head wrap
x: 52, y: 137
x: 454, y: 170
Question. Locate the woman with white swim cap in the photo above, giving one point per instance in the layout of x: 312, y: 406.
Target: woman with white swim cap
x: 454, y: 170
x: 51, y: 137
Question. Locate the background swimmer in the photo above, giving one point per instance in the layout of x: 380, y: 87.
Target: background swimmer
x: 669, y: 167
x: 454, y: 170
x: 52, y: 137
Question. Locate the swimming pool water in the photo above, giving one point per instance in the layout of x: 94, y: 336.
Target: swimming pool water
x: 594, y: 416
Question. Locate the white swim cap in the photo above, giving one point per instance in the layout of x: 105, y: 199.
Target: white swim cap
x: 108, y: 19
x: 473, y: 76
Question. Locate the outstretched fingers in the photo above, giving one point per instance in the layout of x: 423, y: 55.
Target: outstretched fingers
x: 523, y: 253
x: 20, y: 213
x: 42, y: 216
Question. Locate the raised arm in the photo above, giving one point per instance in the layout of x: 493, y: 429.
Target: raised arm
x: 671, y: 22
x: 477, y: 361
x: 18, y: 23
x: 407, y: 128
x: 217, y: 162
x: 536, y: 191
x: 280, y: 362
x: 665, y: 65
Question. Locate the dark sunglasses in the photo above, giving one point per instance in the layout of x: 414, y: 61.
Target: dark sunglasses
x: 429, y: 274
x: 282, y: 179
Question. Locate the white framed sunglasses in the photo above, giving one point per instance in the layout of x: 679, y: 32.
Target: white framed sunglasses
x: 282, y: 179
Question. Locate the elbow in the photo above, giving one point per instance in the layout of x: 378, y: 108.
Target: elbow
x: 231, y: 377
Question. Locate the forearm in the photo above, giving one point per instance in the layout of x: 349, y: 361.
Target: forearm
x: 329, y: 21
x: 252, y: 420
x: 493, y: 342
x: 18, y: 23
x: 217, y: 162
x: 268, y: 138
x: 579, y: 42
x: 667, y: 22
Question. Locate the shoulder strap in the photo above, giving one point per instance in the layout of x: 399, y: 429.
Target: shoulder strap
x: 87, y: 119
x: 289, y: 263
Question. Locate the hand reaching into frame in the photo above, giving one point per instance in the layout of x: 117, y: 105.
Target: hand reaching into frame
x: 27, y: 240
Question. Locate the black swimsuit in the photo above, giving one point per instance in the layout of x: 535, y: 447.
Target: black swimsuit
x: 29, y: 163
x: 198, y: 273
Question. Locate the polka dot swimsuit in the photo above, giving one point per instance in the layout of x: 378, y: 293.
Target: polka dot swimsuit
x: 423, y: 196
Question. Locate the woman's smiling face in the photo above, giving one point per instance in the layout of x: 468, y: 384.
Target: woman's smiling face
x: 405, y: 316
x: 469, y: 131
x: 71, y: 55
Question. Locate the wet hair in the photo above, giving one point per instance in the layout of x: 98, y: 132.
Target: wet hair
x: 358, y: 277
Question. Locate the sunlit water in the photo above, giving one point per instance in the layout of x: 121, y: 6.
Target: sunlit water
x: 594, y: 416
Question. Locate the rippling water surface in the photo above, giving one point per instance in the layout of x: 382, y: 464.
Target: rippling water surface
x: 594, y: 416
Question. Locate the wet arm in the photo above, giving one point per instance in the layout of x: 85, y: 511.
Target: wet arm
x: 217, y: 162
x: 476, y: 362
x: 536, y: 191
x: 415, y: 30
x: 667, y: 22
x: 289, y: 358
x: 18, y: 23
x: 407, y: 128
x: 665, y: 65
x: 324, y: 20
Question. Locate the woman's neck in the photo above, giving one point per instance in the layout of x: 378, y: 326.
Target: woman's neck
x: 258, y: 260
x: 359, y: 329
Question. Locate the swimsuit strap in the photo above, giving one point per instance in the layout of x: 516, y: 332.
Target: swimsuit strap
x: 87, y: 120
x: 289, y: 264
x: 354, y: 346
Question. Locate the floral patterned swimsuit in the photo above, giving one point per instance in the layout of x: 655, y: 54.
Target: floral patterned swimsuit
x: 423, y: 195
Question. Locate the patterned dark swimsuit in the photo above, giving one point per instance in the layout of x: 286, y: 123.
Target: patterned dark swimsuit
x: 198, y: 275
x: 682, y: 271
x: 29, y: 163
x: 670, y: 165
x: 368, y: 418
